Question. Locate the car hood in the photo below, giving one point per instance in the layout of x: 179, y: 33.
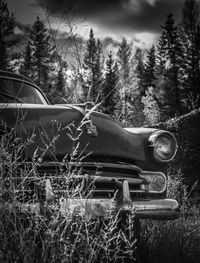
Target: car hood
x: 63, y: 130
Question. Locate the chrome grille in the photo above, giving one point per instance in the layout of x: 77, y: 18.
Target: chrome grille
x: 97, y: 180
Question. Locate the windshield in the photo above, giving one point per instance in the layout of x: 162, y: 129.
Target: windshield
x: 14, y: 91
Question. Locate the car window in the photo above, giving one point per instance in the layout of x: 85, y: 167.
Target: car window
x: 20, y: 92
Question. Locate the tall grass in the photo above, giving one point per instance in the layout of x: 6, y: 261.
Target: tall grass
x: 26, y: 237
x: 176, y: 241
x: 46, y: 234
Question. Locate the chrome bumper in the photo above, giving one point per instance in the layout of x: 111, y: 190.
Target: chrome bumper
x: 166, y: 209
x: 162, y: 209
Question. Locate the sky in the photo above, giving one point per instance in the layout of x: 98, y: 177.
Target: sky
x: 138, y: 20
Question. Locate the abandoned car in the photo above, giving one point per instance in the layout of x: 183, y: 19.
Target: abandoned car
x: 68, y: 147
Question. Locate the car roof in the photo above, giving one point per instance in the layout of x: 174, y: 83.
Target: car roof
x: 14, y: 76
x: 9, y: 74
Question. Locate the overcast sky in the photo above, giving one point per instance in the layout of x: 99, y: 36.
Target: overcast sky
x: 137, y: 20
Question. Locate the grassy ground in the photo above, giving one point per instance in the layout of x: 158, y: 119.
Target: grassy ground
x: 28, y: 238
x: 176, y: 241
x: 171, y: 242
x: 25, y: 237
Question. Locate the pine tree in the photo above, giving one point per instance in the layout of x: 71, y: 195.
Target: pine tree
x: 150, y: 68
x: 90, y: 55
x: 7, y: 24
x: 109, y: 91
x: 60, y: 85
x: 58, y: 91
x: 26, y: 67
x: 74, y: 92
x: 169, y: 69
x: 137, y: 89
x: 124, y: 56
x: 138, y: 71
x: 41, y: 53
x: 92, y: 63
x: 98, y: 68
x: 191, y: 61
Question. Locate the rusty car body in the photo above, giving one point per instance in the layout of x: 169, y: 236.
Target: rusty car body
x: 124, y: 168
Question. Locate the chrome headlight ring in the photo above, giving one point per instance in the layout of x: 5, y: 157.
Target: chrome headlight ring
x: 164, y: 145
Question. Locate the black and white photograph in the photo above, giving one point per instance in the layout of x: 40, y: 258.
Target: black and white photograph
x: 99, y: 131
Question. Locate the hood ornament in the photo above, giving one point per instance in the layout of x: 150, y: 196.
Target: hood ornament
x: 91, y: 129
x: 84, y: 109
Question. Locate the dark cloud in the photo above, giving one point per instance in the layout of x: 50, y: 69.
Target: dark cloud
x: 118, y: 15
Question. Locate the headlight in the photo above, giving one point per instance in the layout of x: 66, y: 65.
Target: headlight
x: 159, y: 183
x: 164, y: 145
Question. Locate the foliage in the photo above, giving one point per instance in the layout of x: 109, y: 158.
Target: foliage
x: 186, y: 129
x: 124, y: 54
x: 26, y: 67
x: 58, y: 91
x: 7, y: 24
x: 110, y: 88
x: 169, y: 69
x: 125, y: 82
x: 151, y: 110
x: 41, y: 53
x: 190, y: 40
x: 135, y: 115
x: 92, y: 63
x: 150, y: 67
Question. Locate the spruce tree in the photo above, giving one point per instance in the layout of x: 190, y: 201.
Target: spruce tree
x: 169, y: 69
x: 139, y: 71
x: 150, y: 68
x: 98, y: 68
x: 60, y: 85
x: 109, y: 91
x: 124, y: 56
x: 92, y: 64
x: 41, y: 53
x: 90, y: 55
x: 7, y: 24
x: 58, y: 90
x: 191, y: 61
x: 26, y: 67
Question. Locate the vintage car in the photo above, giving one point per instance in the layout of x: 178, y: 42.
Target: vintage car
x: 116, y: 169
